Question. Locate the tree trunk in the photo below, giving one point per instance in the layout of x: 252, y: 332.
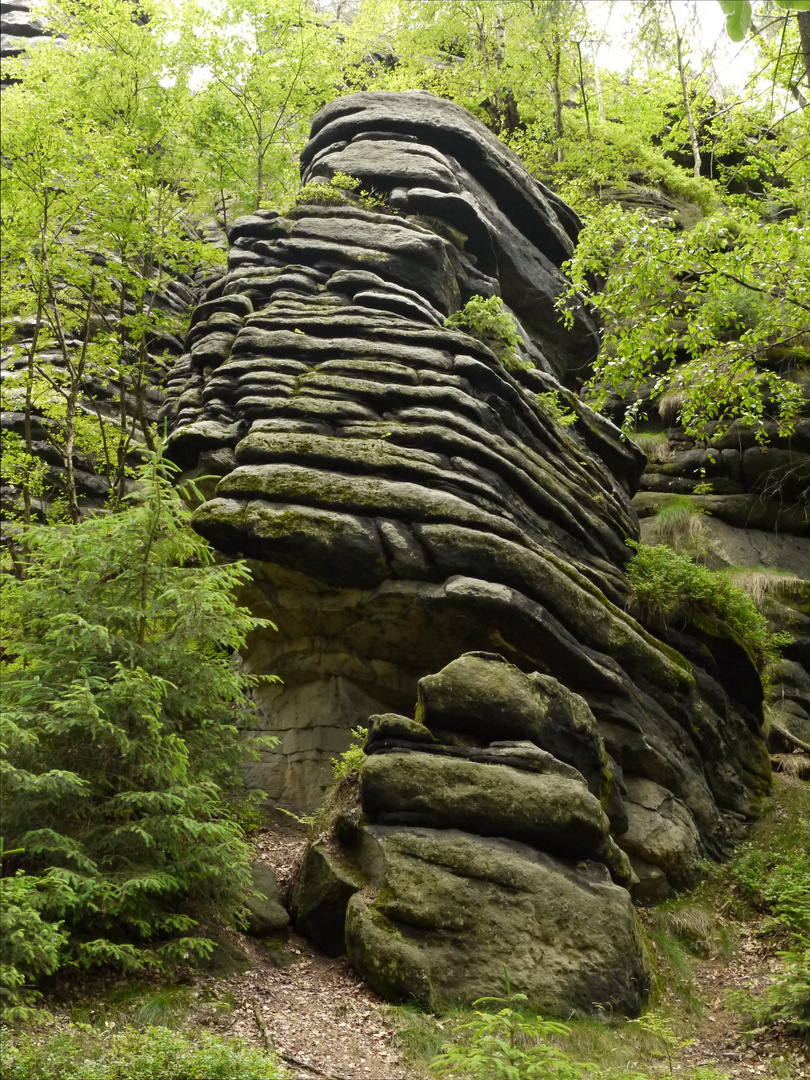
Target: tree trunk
x: 693, y: 134
x: 803, y: 18
x: 558, y: 124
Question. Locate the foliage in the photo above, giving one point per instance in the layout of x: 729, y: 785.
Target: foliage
x: 739, y: 14
x: 778, y: 883
x: 351, y: 761
x: 80, y: 1053
x: 341, y: 190
x: 121, y: 706
x: 94, y: 146
x: 554, y: 409
x: 667, y: 587
x: 697, y: 312
x: 29, y: 946
x: 508, y: 1044
x: 489, y: 322
x: 271, y: 65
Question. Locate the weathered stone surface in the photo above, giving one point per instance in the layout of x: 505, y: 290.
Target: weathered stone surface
x: 483, y: 694
x: 453, y: 908
x: 553, y: 813
x: 405, y: 499
x: 320, y: 896
x: 266, y: 913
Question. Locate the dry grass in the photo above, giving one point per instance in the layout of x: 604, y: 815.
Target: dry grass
x: 760, y: 582
x: 796, y: 765
x: 654, y: 444
x: 679, y: 525
x: 669, y: 407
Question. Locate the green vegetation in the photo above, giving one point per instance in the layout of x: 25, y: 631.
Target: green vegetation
x: 655, y: 445
x: 771, y: 875
x: 709, y: 343
x: 679, y: 525
x: 81, y: 1053
x: 489, y: 322
x: 668, y: 588
x: 341, y: 190
x: 554, y: 409
x: 121, y: 707
x: 344, y: 792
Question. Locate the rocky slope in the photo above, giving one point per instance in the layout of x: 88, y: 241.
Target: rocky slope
x: 438, y: 552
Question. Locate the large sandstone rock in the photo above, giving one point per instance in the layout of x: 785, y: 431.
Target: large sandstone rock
x: 452, y: 909
x: 404, y: 499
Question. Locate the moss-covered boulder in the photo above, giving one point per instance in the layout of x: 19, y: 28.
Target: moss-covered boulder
x: 452, y: 909
x: 553, y: 813
x: 267, y: 915
x: 324, y: 885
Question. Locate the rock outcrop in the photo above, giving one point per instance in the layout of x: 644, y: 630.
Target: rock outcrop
x: 406, y: 499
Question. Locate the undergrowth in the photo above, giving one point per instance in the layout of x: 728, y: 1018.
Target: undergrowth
x: 489, y: 322
x: 668, y: 588
x: 770, y: 875
x: 81, y: 1052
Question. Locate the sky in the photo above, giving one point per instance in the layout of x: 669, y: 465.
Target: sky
x: 732, y: 62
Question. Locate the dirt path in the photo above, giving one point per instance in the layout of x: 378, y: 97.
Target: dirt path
x: 312, y: 1009
x: 718, y: 1037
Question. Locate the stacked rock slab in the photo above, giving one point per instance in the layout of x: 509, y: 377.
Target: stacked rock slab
x: 405, y: 499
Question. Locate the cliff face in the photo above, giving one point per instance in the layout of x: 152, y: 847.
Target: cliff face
x: 405, y: 500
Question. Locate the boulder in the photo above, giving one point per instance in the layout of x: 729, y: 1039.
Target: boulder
x: 320, y: 895
x: 266, y: 913
x: 552, y: 813
x: 453, y: 909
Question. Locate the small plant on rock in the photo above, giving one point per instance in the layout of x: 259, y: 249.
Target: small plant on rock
x: 341, y: 190
x: 489, y: 322
x: 551, y: 404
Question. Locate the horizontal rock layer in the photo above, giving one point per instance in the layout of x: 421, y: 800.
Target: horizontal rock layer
x: 404, y: 499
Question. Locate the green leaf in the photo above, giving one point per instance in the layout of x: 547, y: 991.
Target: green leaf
x: 738, y: 18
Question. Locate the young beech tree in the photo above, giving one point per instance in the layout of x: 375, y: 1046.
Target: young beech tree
x: 269, y: 66
x: 121, y: 706
x: 97, y: 171
x: 707, y: 313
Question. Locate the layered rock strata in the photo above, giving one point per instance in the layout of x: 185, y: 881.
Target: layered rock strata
x: 404, y: 498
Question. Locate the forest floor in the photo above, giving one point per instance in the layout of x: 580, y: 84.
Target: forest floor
x: 315, y: 1011
x: 323, y: 1022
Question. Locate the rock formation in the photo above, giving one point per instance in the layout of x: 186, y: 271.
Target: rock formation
x: 438, y: 552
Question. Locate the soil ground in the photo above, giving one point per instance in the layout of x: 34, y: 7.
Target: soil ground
x: 316, y: 1011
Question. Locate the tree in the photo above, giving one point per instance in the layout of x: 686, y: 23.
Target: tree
x: 120, y: 729
x: 707, y: 314
x: 270, y: 64
x: 97, y: 174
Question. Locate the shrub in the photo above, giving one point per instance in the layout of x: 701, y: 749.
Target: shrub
x: 507, y: 1043
x: 120, y: 722
x: 552, y: 406
x: 489, y: 322
x: 29, y: 946
x: 79, y: 1053
x: 667, y: 587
